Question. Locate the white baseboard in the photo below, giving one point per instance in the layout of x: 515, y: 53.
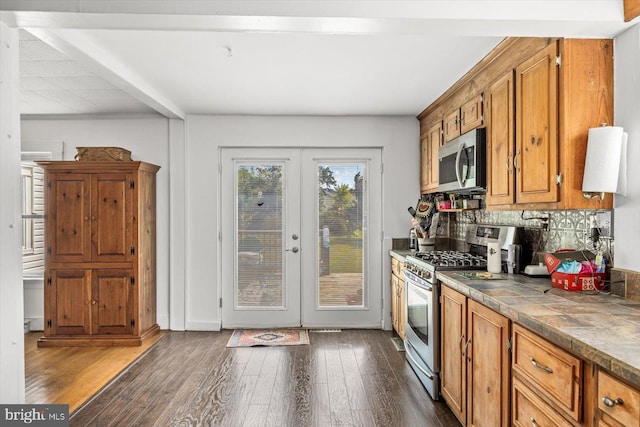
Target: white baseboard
x: 37, y: 323
x: 203, y: 326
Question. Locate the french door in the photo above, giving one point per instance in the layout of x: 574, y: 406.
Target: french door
x: 301, y: 237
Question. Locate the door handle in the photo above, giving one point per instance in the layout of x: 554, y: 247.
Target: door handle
x: 293, y: 249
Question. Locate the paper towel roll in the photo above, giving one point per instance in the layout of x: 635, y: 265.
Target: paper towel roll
x: 494, y: 258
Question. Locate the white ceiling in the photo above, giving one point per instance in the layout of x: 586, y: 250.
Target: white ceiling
x: 271, y: 57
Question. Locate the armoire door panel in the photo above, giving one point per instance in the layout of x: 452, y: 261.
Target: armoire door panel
x: 113, y: 292
x: 112, y: 217
x: 69, y: 298
x: 69, y: 240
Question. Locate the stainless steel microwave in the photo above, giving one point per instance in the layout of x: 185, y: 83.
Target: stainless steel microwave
x: 462, y: 163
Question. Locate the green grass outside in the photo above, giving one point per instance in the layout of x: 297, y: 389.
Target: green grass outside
x: 345, y: 258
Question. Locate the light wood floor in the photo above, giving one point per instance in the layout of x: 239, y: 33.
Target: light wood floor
x: 355, y: 377
x: 73, y: 374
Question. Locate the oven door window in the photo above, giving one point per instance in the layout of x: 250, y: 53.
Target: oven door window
x: 418, y: 308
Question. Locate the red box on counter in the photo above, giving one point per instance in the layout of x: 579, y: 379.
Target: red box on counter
x: 573, y: 281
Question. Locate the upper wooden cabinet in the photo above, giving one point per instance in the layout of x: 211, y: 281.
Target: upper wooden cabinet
x: 536, y: 155
x: 541, y: 97
x: 560, y: 92
x: 100, y: 279
x: 500, y: 141
x: 430, y: 141
x: 463, y: 119
x: 89, y: 217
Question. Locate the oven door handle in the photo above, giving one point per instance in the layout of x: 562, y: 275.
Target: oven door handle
x: 415, y: 363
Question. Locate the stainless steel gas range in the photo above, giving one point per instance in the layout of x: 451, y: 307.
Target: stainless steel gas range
x: 422, y: 343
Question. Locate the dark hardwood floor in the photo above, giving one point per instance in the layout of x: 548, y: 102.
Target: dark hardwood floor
x: 351, y: 378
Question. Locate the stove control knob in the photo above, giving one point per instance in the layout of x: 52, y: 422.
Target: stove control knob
x: 427, y: 275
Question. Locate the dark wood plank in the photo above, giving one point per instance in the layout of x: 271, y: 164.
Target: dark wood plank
x: 266, y: 380
x: 355, y: 377
x: 282, y: 389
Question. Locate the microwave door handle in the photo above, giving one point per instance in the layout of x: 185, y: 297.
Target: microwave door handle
x: 458, y: 154
x: 466, y: 175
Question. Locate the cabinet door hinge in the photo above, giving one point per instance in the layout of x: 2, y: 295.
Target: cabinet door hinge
x: 509, y: 345
x: 220, y: 302
x: 48, y: 183
x: 133, y: 280
x: 559, y: 179
x: 49, y: 323
x: 132, y: 185
x: 49, y: 250
x: 49, y: 281
x: 133, y: 250
x: 558, y: 60
x: 133, y: 323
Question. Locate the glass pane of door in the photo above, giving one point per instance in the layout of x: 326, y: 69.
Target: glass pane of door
x: 259, y: 235
x: 341, y: 223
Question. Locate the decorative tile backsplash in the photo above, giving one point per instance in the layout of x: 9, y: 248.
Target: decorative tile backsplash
x: 546, y: 231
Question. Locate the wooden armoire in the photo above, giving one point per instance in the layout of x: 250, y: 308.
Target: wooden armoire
x: 100, y: 253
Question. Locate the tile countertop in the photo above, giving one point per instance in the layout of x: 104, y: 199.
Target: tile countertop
x: 399, y: 254
x: 601, y: 328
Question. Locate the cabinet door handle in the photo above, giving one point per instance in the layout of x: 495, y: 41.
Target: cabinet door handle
x: 533, y: 422
x: 539, y: 366
x: 515, y: 161
x: 464, y: 351
x: 611, y: 403
x: 506, y: 163
x: 94, y: 302
x: 461, y: 339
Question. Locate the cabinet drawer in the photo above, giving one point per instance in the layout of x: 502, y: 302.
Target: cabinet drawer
x: 530, y: 410
x: 555, y: 373
x: 618, y: 400
x: 397, y: 267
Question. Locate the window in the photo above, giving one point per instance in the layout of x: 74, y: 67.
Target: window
x: 32, y: 177
x: 27, y: 209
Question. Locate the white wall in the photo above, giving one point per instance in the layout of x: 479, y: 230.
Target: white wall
x: 398, y: 137
x: 11, y: 291
x: 148, y: 140
x: 627, y: 115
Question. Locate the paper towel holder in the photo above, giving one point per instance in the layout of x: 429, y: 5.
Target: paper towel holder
x: 605, y: 168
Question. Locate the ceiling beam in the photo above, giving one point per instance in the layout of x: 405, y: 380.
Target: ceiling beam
x: 105, y: 65
x: 631, y: 9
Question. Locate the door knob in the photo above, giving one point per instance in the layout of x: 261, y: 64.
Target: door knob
x: 294, y: 237
x: 293, y: 249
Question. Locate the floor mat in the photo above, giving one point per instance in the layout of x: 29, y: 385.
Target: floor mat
x: 268, y: 337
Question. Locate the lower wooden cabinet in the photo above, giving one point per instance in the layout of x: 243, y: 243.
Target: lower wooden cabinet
x: 529, y: 410
x: 398, y: 305
x: 550, y: 372
x: 96, y: 305
x: 475, y: 372
x: 618, y: 402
